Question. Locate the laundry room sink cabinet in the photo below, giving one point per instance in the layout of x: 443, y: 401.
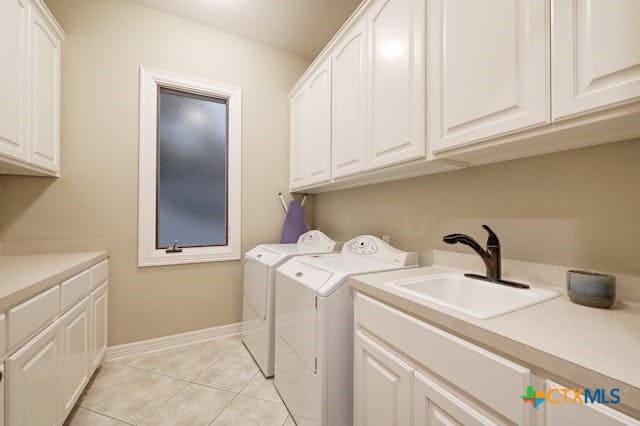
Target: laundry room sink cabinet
x: 409, y: 372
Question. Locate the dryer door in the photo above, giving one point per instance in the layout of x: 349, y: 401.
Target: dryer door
x: 256, y: 281
x: 296, y: 310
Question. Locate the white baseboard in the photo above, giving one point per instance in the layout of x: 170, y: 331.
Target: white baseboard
x: 174, y: 341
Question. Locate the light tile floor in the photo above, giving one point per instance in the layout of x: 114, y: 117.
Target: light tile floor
x: 212, y: 383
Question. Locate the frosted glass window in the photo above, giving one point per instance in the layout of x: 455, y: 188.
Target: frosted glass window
x: 192, y: 170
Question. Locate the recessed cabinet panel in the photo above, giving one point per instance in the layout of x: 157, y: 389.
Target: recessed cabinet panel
x: 437, y: 404
x: 396, y: 81
x: 382, y: 385
x: 349, y: 103
x: 13, y: 25
x: 45, y: 94
x: 596, y: 54
x: 317, y: 126
x: 75, y: 366
x: 487, y: 71
x: 297, y: 166
x: 99, y: 324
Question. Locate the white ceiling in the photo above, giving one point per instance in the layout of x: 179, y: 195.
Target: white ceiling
x: 299, y: 26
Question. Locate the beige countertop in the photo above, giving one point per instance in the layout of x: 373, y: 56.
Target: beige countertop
x: 22, y: 277
x: 571, y: 344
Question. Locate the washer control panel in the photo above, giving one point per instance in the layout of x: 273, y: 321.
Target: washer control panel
x: 374, y: 248
x: 362, y: 245
x: 317, y: 240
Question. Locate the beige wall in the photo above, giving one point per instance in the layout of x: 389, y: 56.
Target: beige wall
x: 97, y: 193
x: 577, y: 208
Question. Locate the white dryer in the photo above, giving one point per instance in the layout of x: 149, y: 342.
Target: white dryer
x: 314, y: 328
x: 258, y: 292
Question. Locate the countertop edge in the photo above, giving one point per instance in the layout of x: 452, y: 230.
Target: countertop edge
x: 541, y: 363
x: 32, y: 290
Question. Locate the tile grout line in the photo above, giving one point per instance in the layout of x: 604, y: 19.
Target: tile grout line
x: 165, y: 401
x: 108, y: 416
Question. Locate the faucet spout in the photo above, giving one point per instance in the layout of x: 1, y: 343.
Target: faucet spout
x: 491, y: 256
x: 465, y: 240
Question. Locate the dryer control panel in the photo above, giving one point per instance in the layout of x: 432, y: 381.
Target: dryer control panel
x: 318, y: 241
x: 376, y: 249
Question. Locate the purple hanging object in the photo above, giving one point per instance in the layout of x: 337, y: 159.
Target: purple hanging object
x: 294, y: 223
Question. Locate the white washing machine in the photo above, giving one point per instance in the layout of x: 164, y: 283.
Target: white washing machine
x: 258, y: 292
x: 314, y: 328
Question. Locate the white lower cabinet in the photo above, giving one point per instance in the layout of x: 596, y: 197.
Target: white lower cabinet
x: 408, y: 372
x: 75, y: 362
x: 32, y: 381
x: 382, y: 385
x: 46, y: 375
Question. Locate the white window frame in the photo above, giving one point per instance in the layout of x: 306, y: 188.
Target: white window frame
x: 148, y: 255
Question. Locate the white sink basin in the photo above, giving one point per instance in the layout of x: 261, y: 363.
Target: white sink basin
x: 476, y: 298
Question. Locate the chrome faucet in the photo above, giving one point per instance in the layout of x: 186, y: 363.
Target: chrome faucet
x: 491, y: 256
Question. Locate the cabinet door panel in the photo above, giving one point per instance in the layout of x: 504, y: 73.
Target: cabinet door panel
x: 44, y: 119
x: 99, y: 317
x: 13, y: 21
x: 317, y: 125
x: 75, y: 355
x: 434, y: 405
x: 382, y: 391
x: 488, y: 72
x: 297, y: 166
x: 396, y: 81
x: 32, y: 381
x: 596, y: 54
x: 349, y: 103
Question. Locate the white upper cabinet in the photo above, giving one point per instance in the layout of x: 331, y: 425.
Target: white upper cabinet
x: 296, y: 137
x: 349, y: 119
x: 44, y: 93
x: 596, y: 54
x: 29, y: 88
x: 317, y: 125
x: 488, y: 70
x: 13, y: 57
x: 396, y: 81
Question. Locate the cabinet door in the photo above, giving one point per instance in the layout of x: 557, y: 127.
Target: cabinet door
x: 488, y: 71
x: 32, y: 391
x: 396, y: 81
x: 44, y: 94
x: 382, y: 390
x: 317, y: 125
x: 99, y: 314
x: 349, y: 153
x: 435, y: 404
x: 296, y: 137
x: 13, y: 48
x: 75, y: 356
x: 596, y: 54
x: 557, y: 414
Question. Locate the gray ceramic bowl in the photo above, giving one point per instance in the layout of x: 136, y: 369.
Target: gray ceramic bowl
x: 591, y: 288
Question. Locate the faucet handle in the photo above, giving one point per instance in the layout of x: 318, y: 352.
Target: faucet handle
x: 492, y: 240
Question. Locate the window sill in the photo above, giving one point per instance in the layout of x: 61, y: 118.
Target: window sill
x: 188, y: 255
